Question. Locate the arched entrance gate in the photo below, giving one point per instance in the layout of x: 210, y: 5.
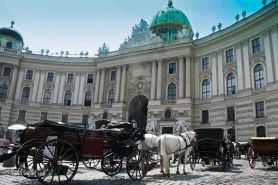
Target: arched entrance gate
x: 138, y: 110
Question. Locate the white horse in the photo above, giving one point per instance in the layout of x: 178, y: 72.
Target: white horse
x: 180, y: 126
x: 169, y: 144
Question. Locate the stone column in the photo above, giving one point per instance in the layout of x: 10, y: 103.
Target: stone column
x: 239, y: 66
x: 101, y: 87
x: 97, y: 87
x: 41, y: 90
x: 196, y: 86
x: 76, y: 89
x: 213, y: 74
x: 61, y: 87
x: 274, y: 39
x: 220, y: 71
x: 56, y: 88
x: 13, y: 82
x: 247, y: 81
x: 188, y: 77
x: 181, y: 77
x: 36, y: 85
x: 123, y: 83
x: 81, y: 91
x: 153, y: 80
x: 159, y: 80
x: 118, y: 83
x: 19, y: 84
x: 268, y: 62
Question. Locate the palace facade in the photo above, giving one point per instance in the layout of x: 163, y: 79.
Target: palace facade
x: 228, y: 79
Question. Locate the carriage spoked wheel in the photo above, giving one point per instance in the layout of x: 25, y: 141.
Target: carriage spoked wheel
x: 251, y: 157
x: 91, y: 163
x: 111, y: 163
x: 192, y: 159
x: 137, y: 165
x: 56, y: 161
x: 24, y: 159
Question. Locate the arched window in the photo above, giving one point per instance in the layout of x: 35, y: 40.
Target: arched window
x: 3, y: 91
x: 206, y: 89
x: 25, y: 95
x: 168, y: 113
x: 9, y: 45
x: 261, y: 131
x: 68, y: 96
x: 88, y: 98
x: 231, y: 84
x: 172, y: 91
x: 47, y: 96
x: 259, y: 76
x: 111, y: 96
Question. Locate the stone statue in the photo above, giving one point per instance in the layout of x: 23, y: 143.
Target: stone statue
x: 103, y: 51
x: 151, y: 127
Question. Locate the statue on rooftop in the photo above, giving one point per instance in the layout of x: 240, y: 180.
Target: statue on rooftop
x: 103, y: 51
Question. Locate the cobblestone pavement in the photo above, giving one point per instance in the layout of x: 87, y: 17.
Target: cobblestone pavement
x: 240, y: 174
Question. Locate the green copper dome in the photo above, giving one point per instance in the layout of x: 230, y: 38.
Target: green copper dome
x: 11, y: 38
x: 169, y: 22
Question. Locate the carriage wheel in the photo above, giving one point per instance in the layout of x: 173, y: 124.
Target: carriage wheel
x: 24, y: 159
x: 111, y: 163
x: 192, y: 159
x: 251, y: 157
x: 56, y: 160
x: 91, y: 163
x: 137, y: 165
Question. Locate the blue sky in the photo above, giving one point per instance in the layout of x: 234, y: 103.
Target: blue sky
x: 84, y: 25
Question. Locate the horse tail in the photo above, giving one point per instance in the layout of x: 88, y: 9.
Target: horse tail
x: 163, y: 153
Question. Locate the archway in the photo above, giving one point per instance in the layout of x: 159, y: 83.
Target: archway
x: 138, y: 111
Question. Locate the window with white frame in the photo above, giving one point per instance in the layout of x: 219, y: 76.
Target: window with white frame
x: 256, y: 45
x: 68, y: 97
x: 259, y: 107
x: 43, y: 116
x: 65, y: 118
x: 205, y: 116
x: 231, y: 84
x: 168, y: 114
x: 172, y: 68
x: 88, y: 98
x: 259, y: 76
x: 25, y: 95
x: 206, y: 89
x: 113, y: 75
x: 261, y: 131
x: 21, y: 115
x: 3, y: 91
x: 50, y: 77
x: 70, y: 78
x: 229, y: 55
x: 111, y: 96
x: 47, y: 96
x: 7, y: 71
x: 231, y: 113
x: 29, y: 74
x: 172, y: 91
x: 205, y: 63
x: 90, y: 78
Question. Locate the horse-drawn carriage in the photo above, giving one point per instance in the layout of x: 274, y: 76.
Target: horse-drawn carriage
x: 264, y: 149
x: 211, y: 148
x: 53, y: 151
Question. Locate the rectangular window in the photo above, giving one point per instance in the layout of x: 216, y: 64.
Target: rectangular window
x: 113, y: 76
x: 65, y: 118
x: 0, y: 111
x: 7, y: 71
x: 205, y: 117
x: 231, y: 114
x: 43, y: 116
x: 85, y: 119
x: 29, y: 75
x: 229, y: 55
x: 167, y: 130
x: 50, y: 77
x: 90, y: 78
x: 259, y: 109
x: 256, y: 45
x: 205, y: 63
x: 70, y: 78
x: 21, y: 115
x: 172, y: 68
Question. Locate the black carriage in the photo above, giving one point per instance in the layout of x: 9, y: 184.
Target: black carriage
x: 211, y: 148
x: 52, y: 151
x: 264, y: 149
